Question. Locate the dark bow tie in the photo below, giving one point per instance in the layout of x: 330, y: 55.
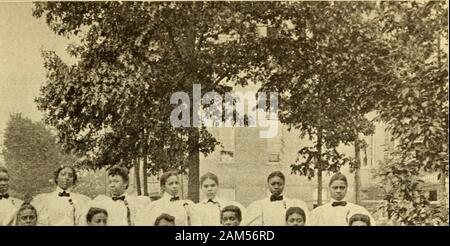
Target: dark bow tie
x: 117, y: 198
x: 175, y: 198
x: 212, y: 201
x: 341, y: 203
x: 6, y: 196
x: 274, y: 198
x: 64, y: 194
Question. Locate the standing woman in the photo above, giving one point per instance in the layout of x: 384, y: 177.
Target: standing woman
x: 62, y: 207
x: 212, y: 205
x: 122, y: 209
x: 8, y: 205
x: 170, y: 203
x: 271, y: 211
x: 338, y: 211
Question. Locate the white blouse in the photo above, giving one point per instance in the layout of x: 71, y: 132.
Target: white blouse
x: 8, y: 210
x: 211, y: 210
x: 61, y: 208
x: 184, y: 211
x: 129, y: 211
x: 328, y: 215
x: 266, y: 213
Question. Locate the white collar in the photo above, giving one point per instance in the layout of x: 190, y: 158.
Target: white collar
x: 58, y: 190
x: 166, y: 196
x: 216, y: 199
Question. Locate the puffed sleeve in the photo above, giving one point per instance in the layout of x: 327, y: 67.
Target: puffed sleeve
x: 40, y: 203
x: 195, y: 213
x: 142, y: 217
x: 84, y: 203
x: 254, y: 214
x: 315, y: 216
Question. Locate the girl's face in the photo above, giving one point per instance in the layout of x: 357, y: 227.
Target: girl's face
x: 4, y: 182
x: 210, y: 188
x: 359, y: 223
x: 229, y: 218
x: 338, y: 189
x: 172, y: 185
x: 295, y: 219
x: 117, y: 185
x: 99, y: 219
x: 276, y: 185
x: 65, y: 178
x: 27, y: 217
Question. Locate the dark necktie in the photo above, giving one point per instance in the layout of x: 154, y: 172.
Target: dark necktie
x: 175, y: 198
x: 118, y: 198
x: 341, y: 203
x: 6, y: 196
x: 211, y: 201
x: 64, y: 194
x: 128, y: 213
x: 274, y: 198
x: 74, y: 215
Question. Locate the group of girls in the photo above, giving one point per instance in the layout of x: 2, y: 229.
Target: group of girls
x: 62, y: 207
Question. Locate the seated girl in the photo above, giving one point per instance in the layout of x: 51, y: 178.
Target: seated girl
x: 295, y: 216
x: 97, y: 217
x: 231, y: 216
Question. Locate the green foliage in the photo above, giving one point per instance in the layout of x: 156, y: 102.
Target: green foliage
x: 415, y: 106
x: 31, y: 155
x: 113, y: 105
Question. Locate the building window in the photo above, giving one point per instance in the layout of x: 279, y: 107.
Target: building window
x: 274, y: 158
x: 227, y: 139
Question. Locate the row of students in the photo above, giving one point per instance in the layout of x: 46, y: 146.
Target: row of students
x: 63, y: 207
x: 229, y: 216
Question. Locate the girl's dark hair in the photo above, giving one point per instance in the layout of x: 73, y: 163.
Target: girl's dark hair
x: 338, y: 176
x: 359, y: 217
x: 165, y: 176
x: 93, y: 211
x: 23, y: 207
x: 74, y: 173
x: 166, y: 217
x: 231, y: 208
x: 276, y: 174
x: 295, y: 210
x: 207, y: 176
x: 121, y: 172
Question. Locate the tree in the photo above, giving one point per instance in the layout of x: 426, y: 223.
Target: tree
x: 113, y: 104
x: 415, y: 108
x: 322, y: 60
x: 31, y: 155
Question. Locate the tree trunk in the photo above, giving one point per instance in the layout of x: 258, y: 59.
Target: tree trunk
x: 137, y: 176
x: 194, y: 166
x: 443, y: 191
x: 357, y: 171
x: 144, y: 173
x: 319, y: 167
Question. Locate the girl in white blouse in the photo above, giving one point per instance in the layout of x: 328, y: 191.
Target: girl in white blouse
x: 171, y: 203
x: 62, y: 207
x: 212, y: 205
x: 8, y: 205
x: 338, y: 211
x: 271, y: 211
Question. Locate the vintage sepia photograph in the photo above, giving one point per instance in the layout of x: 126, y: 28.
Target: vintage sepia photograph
x: 224, y: 113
